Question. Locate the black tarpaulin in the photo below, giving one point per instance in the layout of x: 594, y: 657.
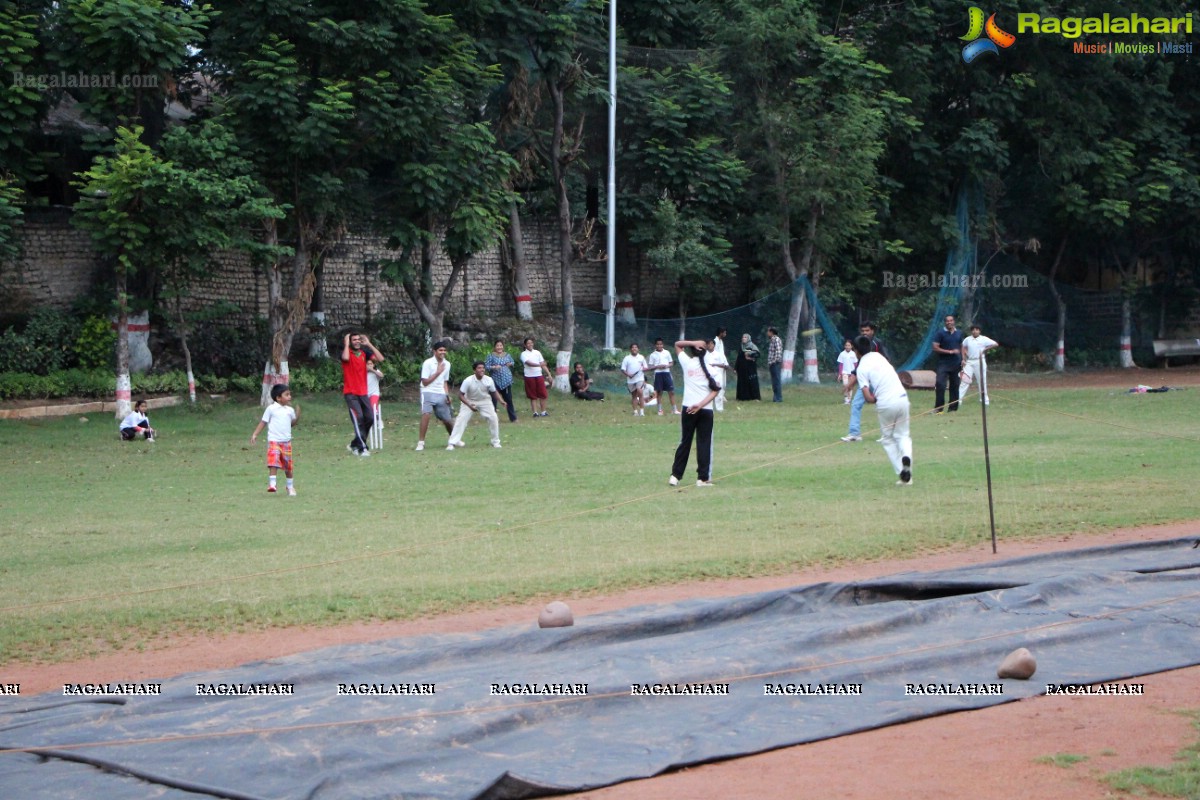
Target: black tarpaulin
x: 846, y: 657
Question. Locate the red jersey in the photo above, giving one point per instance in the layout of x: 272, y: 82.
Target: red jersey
x: 354, y: 372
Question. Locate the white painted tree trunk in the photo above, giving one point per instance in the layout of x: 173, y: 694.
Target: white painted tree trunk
x: 270, y: 379
x: 524, y: 307
x: 625, y: 313
x: 124, y: 395
x: 1060, y: 356
x: 1126, y: 334
x: 810, y: 365
x: 789, y: 362
x: 562, y: 371
x: 191, y: 385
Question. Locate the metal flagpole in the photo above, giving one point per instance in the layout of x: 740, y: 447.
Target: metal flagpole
x: 987, y: 458
x: 610, y: 298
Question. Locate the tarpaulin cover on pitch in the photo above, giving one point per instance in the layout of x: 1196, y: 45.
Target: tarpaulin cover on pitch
x: 1089, y: 616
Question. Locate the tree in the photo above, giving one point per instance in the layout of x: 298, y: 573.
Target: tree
x: 207, y: 203
x: 684, y: 252
x: 320, y: 94
x: 814, y: 119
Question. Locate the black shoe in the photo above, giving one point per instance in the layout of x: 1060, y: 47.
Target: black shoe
x: 906, y: 472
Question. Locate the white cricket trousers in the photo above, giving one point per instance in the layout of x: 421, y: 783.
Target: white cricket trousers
x: 972, y: 371
x: 893, y: 424
x: 487, y: 411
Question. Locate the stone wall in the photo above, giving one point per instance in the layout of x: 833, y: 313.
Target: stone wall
x: 57, y: 266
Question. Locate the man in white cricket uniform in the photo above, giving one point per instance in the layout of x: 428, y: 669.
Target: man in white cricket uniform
x: 974, y: 364
x: 719, y: 365
x: 476, y: 394
x: 881, y: 385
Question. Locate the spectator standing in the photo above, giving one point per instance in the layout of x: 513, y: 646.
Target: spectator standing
x: 847, y: 361
x: 854, y: 434
x: 775, y: 364
x: 948, y: 344
x: 536, y: 372
x: 660, y: 362
x: 499, y: 367
x: 633, y: 366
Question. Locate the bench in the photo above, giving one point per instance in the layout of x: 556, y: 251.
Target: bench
x: 1166, y: 349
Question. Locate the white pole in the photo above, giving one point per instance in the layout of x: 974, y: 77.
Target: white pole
x: 611, y: 300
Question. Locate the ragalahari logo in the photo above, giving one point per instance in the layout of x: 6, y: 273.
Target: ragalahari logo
x: 996, y: 38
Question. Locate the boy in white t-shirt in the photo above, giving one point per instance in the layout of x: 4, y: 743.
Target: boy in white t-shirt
x: 660, y: 362
x: 278, y: 419
x: 847, y: 361
x: 435, y: 392
x: 974, y: 364
x: 633, y: 366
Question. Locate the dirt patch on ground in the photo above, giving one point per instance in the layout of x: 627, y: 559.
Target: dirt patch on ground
x: 992, y: 754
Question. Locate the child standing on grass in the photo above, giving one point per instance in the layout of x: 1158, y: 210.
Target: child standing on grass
x: 847, y: 362
x: 278, y: 420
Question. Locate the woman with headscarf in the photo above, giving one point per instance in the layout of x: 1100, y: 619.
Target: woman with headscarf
x: 747, y: 370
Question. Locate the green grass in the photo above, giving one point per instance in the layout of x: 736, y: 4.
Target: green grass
x: 147, y: 540
x: 1182, y: 779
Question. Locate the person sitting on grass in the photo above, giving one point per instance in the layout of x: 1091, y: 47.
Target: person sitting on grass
x: 136, y: 422
x: 581, y: 384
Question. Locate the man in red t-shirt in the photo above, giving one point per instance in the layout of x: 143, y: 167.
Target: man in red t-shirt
x: 357, y: 354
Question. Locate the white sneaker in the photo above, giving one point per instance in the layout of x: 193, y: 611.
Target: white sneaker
x: 460, y: 444
x: 450, y: 447
x: 364, y: 453
x: 904, y: 483
x: 846, y: 401
x: 678, y: 412
x: 660, y: 412
x: 496, y: 445
x: 704, y: 483
x: 291, y: 491
x: 673, y: 481
x: 420, y: 446
x: 851, y: 438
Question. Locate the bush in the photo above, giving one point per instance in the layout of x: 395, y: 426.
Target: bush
x: 96, y: 345
x: 44, y: 345
x: 323, y: 376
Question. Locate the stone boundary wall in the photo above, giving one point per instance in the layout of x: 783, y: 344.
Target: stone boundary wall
x: 57, y: 266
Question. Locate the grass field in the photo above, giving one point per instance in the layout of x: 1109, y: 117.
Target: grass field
x: 106, y: 544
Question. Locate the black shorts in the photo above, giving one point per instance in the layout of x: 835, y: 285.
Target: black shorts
x: 663, y: 382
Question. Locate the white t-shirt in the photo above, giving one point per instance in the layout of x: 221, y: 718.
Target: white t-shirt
x: 976, y: 345
x: 660, y: 361
x: 438, y: 384
x: 477, y: 390
x: 279, y: 421
x: 532, y: 361
x: 848, y: 359
x: 716, y: 364
x: 695, y: 384
x: 372, y: 383
x: 876, y: 374
x: 636, y: 365
x: 135, y: 420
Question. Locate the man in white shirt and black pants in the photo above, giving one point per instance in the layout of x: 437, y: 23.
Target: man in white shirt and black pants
x: 881, y: 385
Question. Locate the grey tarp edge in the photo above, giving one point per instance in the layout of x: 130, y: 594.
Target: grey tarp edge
x: 1090, y: 616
